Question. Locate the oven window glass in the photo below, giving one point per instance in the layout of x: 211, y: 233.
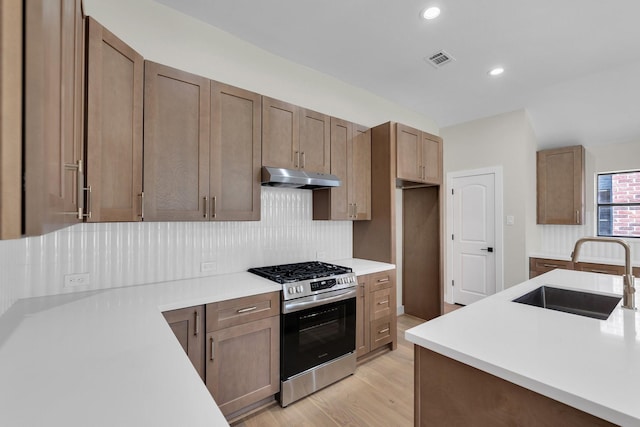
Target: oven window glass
x: 317, y: 335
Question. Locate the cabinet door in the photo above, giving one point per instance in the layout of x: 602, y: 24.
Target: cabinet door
x: 362, y: 317
x: 236, y: 127
x: 187, y: 325
x: 341, y: 153
x: 361, y: 173
x: 560, y: 179
x: 431, y: 158
x: 280, y: 134
x: 315, y: 133
x: 11, y: 27
x: 243, y: 363
x: 114, y: 127
x: 53, y: 125
x: 176, y: 144
x: 409, y: 153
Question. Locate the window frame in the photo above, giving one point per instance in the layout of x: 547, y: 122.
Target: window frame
x: 611, y: 204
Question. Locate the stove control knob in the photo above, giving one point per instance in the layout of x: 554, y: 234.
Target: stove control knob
x: 340, y: 281
x: 299, y: 288
x: 291, y: 291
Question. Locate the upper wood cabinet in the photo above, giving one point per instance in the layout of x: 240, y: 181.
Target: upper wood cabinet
x: 187, y: 325
x: 419, y: 156
x: 53, y: 108
x: 560, y: 191
x: 201, y: 148
x: 351, y: 162
x: 294, y: 138
x: 176, y: 144
x: 115, y: 74
x: 235, y: 153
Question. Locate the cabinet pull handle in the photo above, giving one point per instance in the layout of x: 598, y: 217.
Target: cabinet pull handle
x: 383, y: 280
x: 382, y: 331
x: 385, y: 302
x: 88, y: 214
x: 296, y: 159
x: 599, y: 271
x: 214, y: 206
x: 246, y: 310
x: 212, y: 349
x: 142, y: 205
x: 196, y: 328
x: 206, y: 205
x: 577, y: 217
x: 552, y: 266
x: 303, y: 161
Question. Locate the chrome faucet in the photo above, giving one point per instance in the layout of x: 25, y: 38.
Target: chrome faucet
x: 629, y: 290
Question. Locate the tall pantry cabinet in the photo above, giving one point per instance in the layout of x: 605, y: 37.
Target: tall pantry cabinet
x: 396, y: 149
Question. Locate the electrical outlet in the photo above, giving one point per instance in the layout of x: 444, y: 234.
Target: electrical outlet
x: 208, y: 267
x: 78, y: 279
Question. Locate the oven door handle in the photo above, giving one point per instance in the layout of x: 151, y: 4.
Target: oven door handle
x: 317, y: 300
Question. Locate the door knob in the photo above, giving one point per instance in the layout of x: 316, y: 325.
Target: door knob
x: 489, y: 249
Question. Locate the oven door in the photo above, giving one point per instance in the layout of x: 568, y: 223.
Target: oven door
x: 317, y: 333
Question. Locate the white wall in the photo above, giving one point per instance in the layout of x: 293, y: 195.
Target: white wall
x: 505, y: 140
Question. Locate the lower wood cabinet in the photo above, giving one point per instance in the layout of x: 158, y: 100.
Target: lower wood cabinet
x: 188, y: 325
x: 538, y: 266
x: 376, y: 317
x: 238, y: 354
x: 243, y: 351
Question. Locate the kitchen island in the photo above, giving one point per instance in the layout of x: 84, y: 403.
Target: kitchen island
x: 497, y: 362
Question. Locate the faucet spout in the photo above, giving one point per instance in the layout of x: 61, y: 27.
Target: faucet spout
x: 629, y: 290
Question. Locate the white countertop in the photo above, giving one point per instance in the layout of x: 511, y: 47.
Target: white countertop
x: 108, y: 358
x: 590, y: 364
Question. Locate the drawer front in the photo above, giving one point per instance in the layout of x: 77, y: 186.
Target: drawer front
x: 237, y: 311
x: 542, y: 265
x: 380, y: 332
x: 599, y: 268
x: 382, y: 280
x: 380, y: 304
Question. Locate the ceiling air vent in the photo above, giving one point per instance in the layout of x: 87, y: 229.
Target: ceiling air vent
x: 439, y: 59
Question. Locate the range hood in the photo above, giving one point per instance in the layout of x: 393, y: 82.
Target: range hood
x: 280, y: 177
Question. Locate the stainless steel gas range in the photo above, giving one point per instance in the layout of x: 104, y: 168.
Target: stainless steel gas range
x: 317, y: 325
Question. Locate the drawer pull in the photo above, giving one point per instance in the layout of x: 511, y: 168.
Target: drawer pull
x: 385, y: 302
x: 382, y: 331
x: 246, y: 310
x: 211, y: 344
x: 552, y: 266
x: 383, y: 280
x: 196, y: 328
x: 600, y: 271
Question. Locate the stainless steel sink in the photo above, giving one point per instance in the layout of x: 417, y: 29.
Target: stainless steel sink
x: 576, y: 302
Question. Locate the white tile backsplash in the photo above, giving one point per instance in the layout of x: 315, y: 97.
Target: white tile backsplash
x: 559, y: 240
x: 124, y: 254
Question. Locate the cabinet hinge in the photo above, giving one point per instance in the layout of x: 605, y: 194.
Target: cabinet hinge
x: 453, y: 283
x: 452, y: 191
x: 452, y: 237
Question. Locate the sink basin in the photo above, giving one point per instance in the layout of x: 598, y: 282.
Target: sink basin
x: 576, y: 302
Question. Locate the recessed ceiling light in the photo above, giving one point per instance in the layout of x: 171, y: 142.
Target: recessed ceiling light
x: 431, y: 13
x: 496, y: 71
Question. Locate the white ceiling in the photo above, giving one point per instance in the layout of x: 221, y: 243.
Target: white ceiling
x: 573, y: 64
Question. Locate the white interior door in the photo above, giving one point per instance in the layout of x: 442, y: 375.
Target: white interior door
x: 473, y: 237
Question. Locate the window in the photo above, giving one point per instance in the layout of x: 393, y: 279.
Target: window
x: 618, y: 204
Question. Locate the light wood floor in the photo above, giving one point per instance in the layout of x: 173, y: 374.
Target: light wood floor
x: 380, y: 393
